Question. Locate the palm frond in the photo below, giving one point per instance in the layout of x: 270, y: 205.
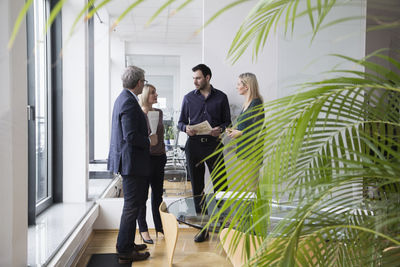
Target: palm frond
x: 266, y: 15
x: 331, y: 153
x: 80, y: 15
x: 53, y: 14
x: 18, y: 22
x: 161, y: 8
x: 126, y: 12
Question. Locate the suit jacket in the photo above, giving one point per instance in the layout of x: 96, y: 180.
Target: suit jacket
x: 130, y: 146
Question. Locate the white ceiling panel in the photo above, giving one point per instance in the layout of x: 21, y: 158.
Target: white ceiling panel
x: 154, y: 60
x: 166, y: 29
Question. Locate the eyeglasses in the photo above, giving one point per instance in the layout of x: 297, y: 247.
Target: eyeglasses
x: 145, y: 81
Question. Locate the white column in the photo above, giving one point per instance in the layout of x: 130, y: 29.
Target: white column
x: 101, y: 85
x: 75, y: 106
x: 117, y: 66
x: 13, y: 139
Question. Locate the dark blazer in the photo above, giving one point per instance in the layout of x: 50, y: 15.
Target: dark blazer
x: 130, y: 145
x: 245, y: 123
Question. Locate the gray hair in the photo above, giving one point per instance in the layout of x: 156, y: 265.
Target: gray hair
x: 131, y: 76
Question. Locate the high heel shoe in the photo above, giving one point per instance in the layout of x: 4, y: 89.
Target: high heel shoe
x: 147, y: 241
x: 159, y: 231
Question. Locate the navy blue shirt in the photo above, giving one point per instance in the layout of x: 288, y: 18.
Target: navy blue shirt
x: 196, y: 108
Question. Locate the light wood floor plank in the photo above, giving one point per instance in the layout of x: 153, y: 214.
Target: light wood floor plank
x: 104, y: 242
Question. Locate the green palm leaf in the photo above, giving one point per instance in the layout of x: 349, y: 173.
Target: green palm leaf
x: 17, y: 24
x: 332, y: 153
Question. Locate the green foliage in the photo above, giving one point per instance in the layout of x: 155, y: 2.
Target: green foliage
x: 332, y: 152
x: 169, y: 132
x: 17, y: 24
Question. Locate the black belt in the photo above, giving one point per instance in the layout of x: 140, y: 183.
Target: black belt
x: 204, y: 139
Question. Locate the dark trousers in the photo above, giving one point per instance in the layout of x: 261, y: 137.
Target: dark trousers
x: 134, y: 197
x: 156, y: 181
x: 197, y: 148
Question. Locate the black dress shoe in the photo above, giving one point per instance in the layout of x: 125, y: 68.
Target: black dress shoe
x: 124, y: 258
x: 201, y: 236
x: 139, y: 247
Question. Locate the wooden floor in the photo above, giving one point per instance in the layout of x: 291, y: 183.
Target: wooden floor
x: 104, y: 242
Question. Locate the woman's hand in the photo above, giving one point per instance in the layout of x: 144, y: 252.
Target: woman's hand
x: 153, y: 139
x: 233, y: 133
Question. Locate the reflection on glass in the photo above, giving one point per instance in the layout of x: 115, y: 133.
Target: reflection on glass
x: 41, y: 89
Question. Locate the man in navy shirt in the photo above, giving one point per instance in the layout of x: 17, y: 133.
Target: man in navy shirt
x: 205, y: 103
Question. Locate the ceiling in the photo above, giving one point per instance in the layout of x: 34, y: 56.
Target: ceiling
x: 145, y: 61
x: 165, y: 29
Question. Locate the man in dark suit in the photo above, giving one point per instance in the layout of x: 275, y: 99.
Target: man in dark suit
x: 130, y: 156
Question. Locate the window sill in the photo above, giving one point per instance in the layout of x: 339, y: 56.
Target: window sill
x: 56, y: 224
x: 52, y: 229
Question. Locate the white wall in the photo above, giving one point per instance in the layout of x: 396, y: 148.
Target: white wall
x: 13, y: 139
x: 217, y: 40
x: 301, y: 61
x: 101, y: 85
x: 285, y: 60
x: 75, y: 106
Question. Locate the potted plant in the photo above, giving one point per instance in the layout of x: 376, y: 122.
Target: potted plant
x: 169, y: 134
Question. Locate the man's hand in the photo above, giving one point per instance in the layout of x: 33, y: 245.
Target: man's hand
x: 216, y: 131
x: 190, y: 132
x: 153, y: 139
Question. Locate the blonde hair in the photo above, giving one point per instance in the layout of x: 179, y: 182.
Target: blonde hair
x: 250, y: 80
x: 144, y: 96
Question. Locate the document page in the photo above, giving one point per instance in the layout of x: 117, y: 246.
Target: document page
x: 201, y: 128
x: 153, y: 120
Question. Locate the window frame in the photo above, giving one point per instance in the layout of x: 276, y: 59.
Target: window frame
x: 53, y: 113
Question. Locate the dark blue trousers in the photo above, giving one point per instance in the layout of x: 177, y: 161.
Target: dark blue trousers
x: 134, y: 197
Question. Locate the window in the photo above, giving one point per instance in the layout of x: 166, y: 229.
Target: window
x: 43, y: 90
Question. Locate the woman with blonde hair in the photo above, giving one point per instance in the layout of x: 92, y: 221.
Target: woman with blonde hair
x: 247, y: 86
x: 251, y: 113
x: 158, y: 160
